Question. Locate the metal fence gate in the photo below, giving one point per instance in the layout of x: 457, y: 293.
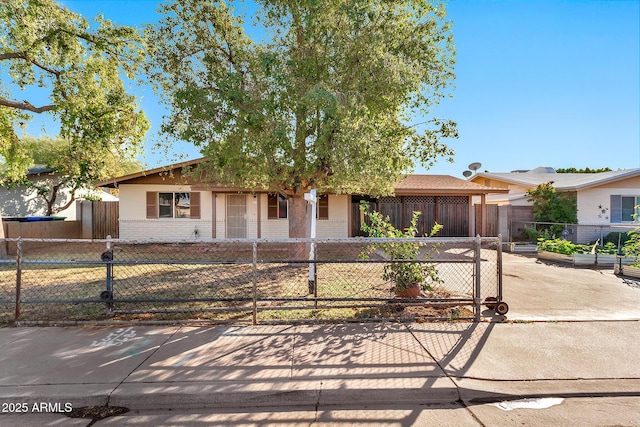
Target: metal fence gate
x: 243, y: 280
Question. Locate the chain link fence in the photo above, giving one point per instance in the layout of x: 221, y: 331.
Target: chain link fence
x: 253, y: 281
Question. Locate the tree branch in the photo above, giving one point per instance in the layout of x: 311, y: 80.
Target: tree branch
x: 11, y: 55
x: 26, y: 106
x: 18, y: 55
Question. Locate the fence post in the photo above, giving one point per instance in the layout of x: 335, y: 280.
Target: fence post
x: 107, y: 295
x: 314, y: 248
x: 18, y: 278
x: 499, y: 267
x: 477, y: 300
x: 255, y: 283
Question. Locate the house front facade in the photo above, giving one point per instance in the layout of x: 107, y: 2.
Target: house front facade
x: 606, y: 201
x: 164, y: 203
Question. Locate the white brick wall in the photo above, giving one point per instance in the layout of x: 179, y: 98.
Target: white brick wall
x: 159, y: 229
x: 274, y: 228
x: 333, y: 229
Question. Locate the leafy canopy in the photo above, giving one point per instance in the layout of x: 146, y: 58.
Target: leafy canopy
x: 66, y: 172
x: 323, y: 101
x: 585, y: 170
x: 551, y: 206
x: 74, y: 71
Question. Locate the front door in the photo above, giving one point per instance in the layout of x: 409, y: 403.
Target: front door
x: 236, y: 216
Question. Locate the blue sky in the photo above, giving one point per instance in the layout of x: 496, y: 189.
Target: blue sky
x: 539, y: 83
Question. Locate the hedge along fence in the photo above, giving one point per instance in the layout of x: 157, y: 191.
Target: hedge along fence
x: 248, y: 280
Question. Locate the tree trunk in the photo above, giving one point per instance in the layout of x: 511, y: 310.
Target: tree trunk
x: 298, y: 217
x: 298, y: 226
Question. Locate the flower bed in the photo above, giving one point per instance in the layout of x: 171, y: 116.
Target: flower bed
x: 560, y: 250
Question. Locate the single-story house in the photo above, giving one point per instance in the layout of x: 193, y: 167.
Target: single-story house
x: 23, y: 201
x: 604, y: 200
x: 164, y: 203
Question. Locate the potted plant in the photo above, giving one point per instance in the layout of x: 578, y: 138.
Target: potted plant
x: 409, y: 277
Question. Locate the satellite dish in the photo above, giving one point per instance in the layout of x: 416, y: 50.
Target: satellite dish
x: 475, y: 166
x: 467, y: 174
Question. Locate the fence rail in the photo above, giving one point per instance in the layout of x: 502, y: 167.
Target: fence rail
x: 241, y: 280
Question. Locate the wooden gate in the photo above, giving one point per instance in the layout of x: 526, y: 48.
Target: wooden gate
x: 105, y: 220
x: 492, y: 220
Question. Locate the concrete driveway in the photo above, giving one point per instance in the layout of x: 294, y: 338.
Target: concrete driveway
x: 537, y: 290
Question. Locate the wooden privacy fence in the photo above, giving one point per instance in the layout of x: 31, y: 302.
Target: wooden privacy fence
x: 104, y: 220
x: 450, y: 211
x: 97, y: 221
x: 43, y: 229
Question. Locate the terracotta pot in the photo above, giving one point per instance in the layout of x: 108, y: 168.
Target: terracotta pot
x: 411, y: 291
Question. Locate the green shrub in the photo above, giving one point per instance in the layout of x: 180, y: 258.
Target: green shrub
x: 617, y: 236
x: 402, y: 274
x: 561, y: 246
x: 631, y: 247
x: 608, y: 248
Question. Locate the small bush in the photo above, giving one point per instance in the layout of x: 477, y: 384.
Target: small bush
x: 401, y: 274
x: 559, y: 246
x: 631, y: 247
x: 617, y: 236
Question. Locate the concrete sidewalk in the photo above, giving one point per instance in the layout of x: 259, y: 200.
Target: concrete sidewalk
x: 570, y: 334
x: 310, y: 366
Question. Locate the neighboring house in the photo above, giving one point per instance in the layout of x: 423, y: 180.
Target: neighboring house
x: 604, y: 199
x: 22, y: 201
x: 163, y: 204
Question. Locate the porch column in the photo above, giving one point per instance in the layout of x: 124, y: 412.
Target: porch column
x: 350, y: 230
x: 483, y: 203
x: 213, y: 214
x: 258, y: 215
x: 472, y: 218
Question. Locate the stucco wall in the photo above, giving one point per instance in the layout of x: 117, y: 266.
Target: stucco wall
x: 592, y: 202
x: 335, y: 227
x: 22, y: 201
x: 594, y: 211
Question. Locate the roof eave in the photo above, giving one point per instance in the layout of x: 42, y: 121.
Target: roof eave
x: 448, y: 192
x: 114, y: 182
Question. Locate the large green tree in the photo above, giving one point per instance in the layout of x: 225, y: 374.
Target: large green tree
x: 324, y: 100
x: 55, y: 62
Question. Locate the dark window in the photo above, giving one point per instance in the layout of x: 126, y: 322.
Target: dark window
x: 165, y: 205
x: 276, y: 207
x: 323, y: 206
x: 629, y: 208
